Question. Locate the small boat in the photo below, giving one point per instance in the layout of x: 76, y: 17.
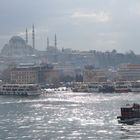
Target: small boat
x: 130, y: 114
x: 20, y: 89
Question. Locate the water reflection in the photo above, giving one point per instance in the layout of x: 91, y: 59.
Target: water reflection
x: 130, y: 131
x: 66, y: 116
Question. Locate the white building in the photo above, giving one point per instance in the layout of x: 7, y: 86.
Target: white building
x: 129, y: 72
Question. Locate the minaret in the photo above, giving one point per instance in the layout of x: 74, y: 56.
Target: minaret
x: 33, y: 36
x: 26, y: 36
x: 48, y: 43
x: 55, y: 42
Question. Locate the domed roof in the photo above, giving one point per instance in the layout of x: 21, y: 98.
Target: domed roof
x: 19, y: 48
x: 16, y: 39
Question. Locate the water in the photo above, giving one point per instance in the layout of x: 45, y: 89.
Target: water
x: 66, y: 116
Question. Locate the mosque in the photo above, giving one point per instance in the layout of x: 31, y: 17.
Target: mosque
x: 18, y: 47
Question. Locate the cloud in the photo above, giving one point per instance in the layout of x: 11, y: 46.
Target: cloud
x: 101, y: 17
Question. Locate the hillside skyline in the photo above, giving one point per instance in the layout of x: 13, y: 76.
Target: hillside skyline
x: 79, y: 25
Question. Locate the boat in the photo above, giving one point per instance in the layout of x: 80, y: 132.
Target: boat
x: 135, y: 86
x: 130, y: 114
x: 122, y: 87
x: 81, y: 87
x: 106, y: 88
x: 100, y: 88
x: 57, y: 90
x: 20, y: 89
x: 94, y: 87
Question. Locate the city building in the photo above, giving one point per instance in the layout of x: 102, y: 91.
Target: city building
x: 129, y: 72
x: 52, y: 76
x: 91, y: 75
x: 26, y: 74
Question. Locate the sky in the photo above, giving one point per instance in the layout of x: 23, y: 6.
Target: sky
x: 101, y: 25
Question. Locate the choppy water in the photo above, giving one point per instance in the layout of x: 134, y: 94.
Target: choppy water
x: 66, y: 116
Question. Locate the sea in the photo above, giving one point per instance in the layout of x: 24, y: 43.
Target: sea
x: 66, y: 116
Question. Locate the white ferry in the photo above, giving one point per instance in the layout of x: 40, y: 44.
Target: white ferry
x: 122, y: 87
x: 135, y: 86
x: 94, y: 87
x: 80, y: 87
x: 20, y: 89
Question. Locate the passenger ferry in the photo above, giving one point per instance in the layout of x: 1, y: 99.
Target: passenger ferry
x: 106, y: 88
x: 130, y: 114
x: 122, y: 87
x: 94, y: 87
x: 80, y: 87
x: 20, y: 89
x: 135, y: 86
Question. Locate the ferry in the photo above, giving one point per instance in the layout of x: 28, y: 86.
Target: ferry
x: 101, y: 88
x: 94, y: 87
x: 122, y: 87
x: 106, y: 88
x: 135, y: 86
x: 20, y: 89
x: 130, y: 114
x: 80, y: 87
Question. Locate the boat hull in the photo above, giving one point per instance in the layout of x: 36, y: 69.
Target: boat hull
x: 129, y: 121
x: 135, y: 89
x: 19, y: 89
x: 130, y: 114
x: 122, y: 90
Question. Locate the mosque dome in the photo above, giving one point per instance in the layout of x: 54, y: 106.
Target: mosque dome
x: 17, y: 47
x: 17, y: 40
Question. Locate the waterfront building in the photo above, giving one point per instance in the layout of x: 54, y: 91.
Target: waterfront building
x: 129, y: 72
x: 91, y: 75
x: 24, y: 76
x: 32, y: 74
x: 52, y: 76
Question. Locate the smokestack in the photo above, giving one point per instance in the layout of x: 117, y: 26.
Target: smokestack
x: 33, y: 36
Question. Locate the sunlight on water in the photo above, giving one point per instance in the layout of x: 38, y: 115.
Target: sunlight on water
x: 66, y: 116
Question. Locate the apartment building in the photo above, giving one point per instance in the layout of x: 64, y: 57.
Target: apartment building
x: 129, y: 72
x: 94, y: 75
x: 29, y: 74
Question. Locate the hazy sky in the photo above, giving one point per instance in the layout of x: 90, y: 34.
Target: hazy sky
x: 79, y: 24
